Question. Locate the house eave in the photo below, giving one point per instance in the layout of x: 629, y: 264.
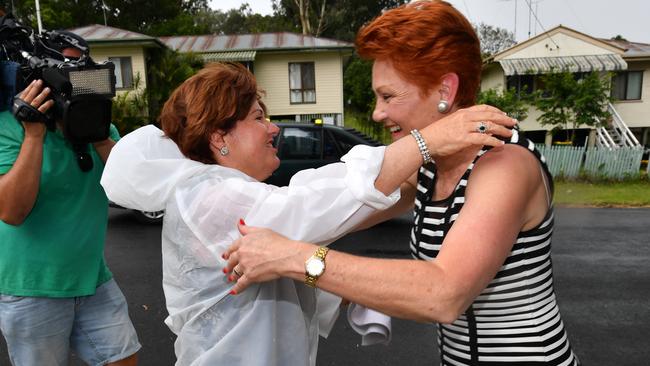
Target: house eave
x: 126, y: 43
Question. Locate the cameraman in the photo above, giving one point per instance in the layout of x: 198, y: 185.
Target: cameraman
x: 56, y: 292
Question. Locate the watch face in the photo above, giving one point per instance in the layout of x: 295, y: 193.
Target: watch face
x: 315, y: 267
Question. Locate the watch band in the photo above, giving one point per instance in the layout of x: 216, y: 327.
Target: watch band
x: 320, y: 254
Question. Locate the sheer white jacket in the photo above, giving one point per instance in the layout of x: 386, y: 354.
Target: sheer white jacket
x: 274, y: 323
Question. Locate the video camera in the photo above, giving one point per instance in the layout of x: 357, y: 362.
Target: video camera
x: 82, y: 89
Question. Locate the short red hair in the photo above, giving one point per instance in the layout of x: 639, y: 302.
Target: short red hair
x: 425, y: 40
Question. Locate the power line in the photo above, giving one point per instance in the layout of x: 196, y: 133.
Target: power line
x: 514, y: 32
x: 530, y: 7
x: 467, y: 9
x: 568, y: 4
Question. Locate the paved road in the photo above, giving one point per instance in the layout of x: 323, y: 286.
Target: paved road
x: 602, y: 277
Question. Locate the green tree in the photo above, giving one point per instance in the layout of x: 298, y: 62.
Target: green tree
x: 141, y: 16
x: 183, y: 23
x: 493, y: 39
x: 360, y: 99
x: 129, y: 108
x: 506, y: 100
x: 243, y: 21
x: 167, y: 70
x: 357, y: 86
x: 570, y: 100
x: 341, y: 18
x: 56, y: 14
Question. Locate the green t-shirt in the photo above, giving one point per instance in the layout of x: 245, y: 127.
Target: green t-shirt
x: 58, y: 251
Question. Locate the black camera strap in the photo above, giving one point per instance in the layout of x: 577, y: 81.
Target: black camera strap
x: 84, y: 159
x: 25, y: 112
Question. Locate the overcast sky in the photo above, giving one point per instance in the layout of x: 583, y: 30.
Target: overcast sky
x: 598, y: 18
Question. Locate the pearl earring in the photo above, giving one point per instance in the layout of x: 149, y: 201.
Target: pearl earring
x: 443, y: 106
x: 224, y: 151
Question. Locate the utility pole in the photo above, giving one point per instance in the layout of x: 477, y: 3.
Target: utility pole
x: 104, y: 11
x: 536, y: 12
x: 515, y: 28
x: 530, y: 11
x: 38, y: 17
x: 515, y: 31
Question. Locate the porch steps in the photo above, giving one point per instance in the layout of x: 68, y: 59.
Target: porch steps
x: 617, y: 134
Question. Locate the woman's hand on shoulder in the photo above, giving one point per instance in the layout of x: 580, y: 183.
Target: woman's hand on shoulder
x: 474, y: 126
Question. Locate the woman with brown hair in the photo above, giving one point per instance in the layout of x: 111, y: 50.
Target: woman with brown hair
x: 481, y: 236
x: 216, y: 119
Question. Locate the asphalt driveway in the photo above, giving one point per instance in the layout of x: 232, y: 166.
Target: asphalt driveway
x: 602, y: 272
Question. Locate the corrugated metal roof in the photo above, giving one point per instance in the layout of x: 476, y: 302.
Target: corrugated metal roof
x: 540, y: 65
x: 229, y: 56
x: 632, y: 49
x: 98, y: 32
x: 260, y: 41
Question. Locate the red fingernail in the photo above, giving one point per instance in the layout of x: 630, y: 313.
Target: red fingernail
x: 223, y: 256
x: 231, y: 278
x: 241, y: 222
x: 225, y: 270
x: 233, y: 292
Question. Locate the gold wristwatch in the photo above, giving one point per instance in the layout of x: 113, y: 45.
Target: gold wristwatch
x: 315, y: 266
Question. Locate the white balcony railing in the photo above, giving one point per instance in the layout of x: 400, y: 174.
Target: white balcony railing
x: 617, y: 134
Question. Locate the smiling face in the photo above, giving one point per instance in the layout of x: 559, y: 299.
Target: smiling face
x: 250, y: 145
x: 400, y: 105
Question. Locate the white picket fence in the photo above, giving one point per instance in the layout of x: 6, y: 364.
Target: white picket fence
x: 618, y: 164
x: 568, y: 161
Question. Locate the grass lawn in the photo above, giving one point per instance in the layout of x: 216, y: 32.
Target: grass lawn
x: 603, y: 194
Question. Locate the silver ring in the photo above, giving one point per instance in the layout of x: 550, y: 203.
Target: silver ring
x: 237, y: 272
x: 482, y: 127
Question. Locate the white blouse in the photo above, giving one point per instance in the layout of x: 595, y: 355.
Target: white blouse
x: 273, y: 323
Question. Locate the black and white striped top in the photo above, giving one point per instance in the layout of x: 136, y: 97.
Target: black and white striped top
x: 515, y: 320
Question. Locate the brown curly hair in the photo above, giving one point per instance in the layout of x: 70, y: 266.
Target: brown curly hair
x: 214, y: 99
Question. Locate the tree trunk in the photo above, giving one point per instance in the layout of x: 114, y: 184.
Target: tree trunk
x: 321, y: 19
x: 303, y: 11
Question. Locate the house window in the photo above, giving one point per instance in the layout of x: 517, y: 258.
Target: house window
x: 523, y: 84
x: 626, y: 85
x: 302, y: 83
x: 123, y: 72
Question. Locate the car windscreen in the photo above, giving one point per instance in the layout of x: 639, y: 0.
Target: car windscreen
x: 300, y: 143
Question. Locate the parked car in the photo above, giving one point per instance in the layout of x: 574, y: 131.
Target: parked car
x: 301, y: 145
x: 147, y: 217
x: 304, y: 145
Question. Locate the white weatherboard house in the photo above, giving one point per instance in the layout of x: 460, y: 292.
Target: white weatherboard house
x: 565, y: 49
x: 301, y: 75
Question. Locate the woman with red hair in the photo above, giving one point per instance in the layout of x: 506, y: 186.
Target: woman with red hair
x: 483, y: 218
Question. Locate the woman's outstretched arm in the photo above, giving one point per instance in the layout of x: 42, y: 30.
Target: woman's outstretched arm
x: 498, y: 206
x: 443, y: 137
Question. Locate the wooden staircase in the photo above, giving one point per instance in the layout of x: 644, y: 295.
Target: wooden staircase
x: 617, y: 134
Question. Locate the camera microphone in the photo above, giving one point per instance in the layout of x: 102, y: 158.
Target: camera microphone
x: 56, y: 81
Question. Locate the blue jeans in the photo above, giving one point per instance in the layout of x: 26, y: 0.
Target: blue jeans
x: 42, y: 331
x: 8, y: 71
